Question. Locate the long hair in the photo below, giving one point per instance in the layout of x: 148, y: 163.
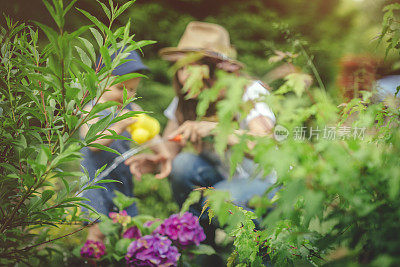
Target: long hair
x: 357, y: 74
x: 186, y: 109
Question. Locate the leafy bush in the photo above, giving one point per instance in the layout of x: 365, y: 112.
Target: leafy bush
x: 43, y: 92
x: 339, y: 186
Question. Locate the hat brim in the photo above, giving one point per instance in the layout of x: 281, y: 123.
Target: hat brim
x: 174, y: 54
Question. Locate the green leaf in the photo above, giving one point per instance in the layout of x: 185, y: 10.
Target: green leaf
x: 117, y: 137
x: 120, y: 10
x: 108, y: 228
x: 105, y: 56
x: 87, y: 206
x: 193, y: 198
x: 100, y: 170
x: 46, y: 195
x: 203, y: 250
x: 105, y: 148
x: 140, y: 44
x: 126, y: 77
x: 129, y: 114
x: 59, y: 21
x: 106, y: 10
x: 97, y: 127
x: 122, y: 201
x: 9, y: 167
x: 121, y: 247
x: 69, y: 6
x: 78, y: 32
x: 82, y: 54
x: 50, y: 33
x: 97, y: 36
x: 75, y: 199
x: 93, y: 19
x: 89, y: 48
x: 66, y: 184
x: 102, y: 106
x: 94, y: 187
x: 108, y: 181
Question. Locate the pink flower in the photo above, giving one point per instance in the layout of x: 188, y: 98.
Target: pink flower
x: 152, y: 250
x: 121, y: 217
x: 93, y: 249
x: 132, y: 232
x: 185, y: 229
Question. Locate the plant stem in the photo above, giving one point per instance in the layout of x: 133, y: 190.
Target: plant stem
x: 54, y: 239
x: 312, y: 66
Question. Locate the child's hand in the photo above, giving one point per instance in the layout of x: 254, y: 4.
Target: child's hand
x: 148, y: 163
x: 193, y: 131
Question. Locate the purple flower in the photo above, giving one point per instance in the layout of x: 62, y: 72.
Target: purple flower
x: 93, y: 249
x: 132, y: 232
x: 152, y: 250
x: 185, y: 229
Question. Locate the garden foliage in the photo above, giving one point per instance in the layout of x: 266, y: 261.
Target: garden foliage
x: 338, y: 198
x: 43, y: 92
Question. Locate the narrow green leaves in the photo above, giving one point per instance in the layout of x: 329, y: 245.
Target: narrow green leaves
x: 89, y: 48
x: 50, y: 33
x: 105, y: 9
x: 126, y: 77
x: 85, y: 59
x: 105, y: 148
x: 93, y: 19
x: 105, y: 56
x: 120, y: 10
x: 97, y: 36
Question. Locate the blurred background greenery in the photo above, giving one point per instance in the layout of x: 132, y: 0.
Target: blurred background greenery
x: 328, y: 29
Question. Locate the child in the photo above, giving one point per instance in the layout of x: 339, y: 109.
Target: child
x: 94, y: 159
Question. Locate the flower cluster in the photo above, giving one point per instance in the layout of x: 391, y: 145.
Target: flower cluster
x: 93, y: 249
x: 132, y: 232
x: 152, y: 250
x: 122, y: 217
x: 184, y: 229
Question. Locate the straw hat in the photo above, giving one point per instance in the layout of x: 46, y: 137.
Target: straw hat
x: 212, y: 40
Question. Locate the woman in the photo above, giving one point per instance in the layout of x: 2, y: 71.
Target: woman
x: 204, y: 169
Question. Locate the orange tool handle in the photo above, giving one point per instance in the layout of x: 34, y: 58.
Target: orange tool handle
x: 176, y: 138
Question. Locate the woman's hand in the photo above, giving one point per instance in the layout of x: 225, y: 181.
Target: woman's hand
x: 193, y: 131
x: 148, y: 163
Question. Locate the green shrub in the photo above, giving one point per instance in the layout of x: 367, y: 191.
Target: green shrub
x: 43, y: 92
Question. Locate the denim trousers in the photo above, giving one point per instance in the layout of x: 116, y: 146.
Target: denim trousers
x: 190, y: 171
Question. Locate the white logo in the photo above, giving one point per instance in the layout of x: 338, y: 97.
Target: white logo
x: 280, y: 133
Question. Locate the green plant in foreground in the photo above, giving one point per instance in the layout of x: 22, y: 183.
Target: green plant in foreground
x: 338, y: 201
x: 43, y: 92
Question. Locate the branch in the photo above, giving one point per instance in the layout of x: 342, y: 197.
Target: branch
x: 51, y: 240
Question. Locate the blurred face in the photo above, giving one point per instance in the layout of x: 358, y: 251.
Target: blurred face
x: 183, y: 74
x: 116, y: 92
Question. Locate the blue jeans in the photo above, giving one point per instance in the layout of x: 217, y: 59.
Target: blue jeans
x: 190, y: 171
